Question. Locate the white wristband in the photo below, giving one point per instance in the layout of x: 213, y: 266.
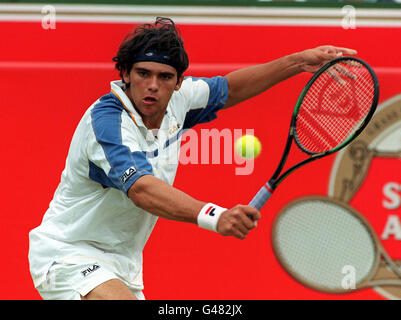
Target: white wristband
x: 209, y: 216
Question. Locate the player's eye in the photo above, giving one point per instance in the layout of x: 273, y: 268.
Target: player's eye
x: 166, y: 76
x: 143, y: 73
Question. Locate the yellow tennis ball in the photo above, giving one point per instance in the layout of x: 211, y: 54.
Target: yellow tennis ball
x: 248, y: 146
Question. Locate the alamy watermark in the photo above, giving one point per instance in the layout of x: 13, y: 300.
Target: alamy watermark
x: 48, y: 17
x: 349, y: 17
x: 348, y: 281
x: 209, y: 147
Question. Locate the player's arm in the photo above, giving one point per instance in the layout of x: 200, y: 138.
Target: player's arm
x: 163, y: 200
x: 249, y: 82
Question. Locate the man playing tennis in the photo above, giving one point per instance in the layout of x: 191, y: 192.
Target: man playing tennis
x: 118, y: 175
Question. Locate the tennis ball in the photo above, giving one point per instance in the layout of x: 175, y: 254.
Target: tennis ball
x: 248, y: 146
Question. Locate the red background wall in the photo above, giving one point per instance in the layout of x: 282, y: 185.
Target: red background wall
x: 40, y: 108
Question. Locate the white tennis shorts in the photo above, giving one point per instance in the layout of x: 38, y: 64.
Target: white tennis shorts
x: 67, y: 281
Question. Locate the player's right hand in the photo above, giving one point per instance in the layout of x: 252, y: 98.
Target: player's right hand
x: 238, y: 221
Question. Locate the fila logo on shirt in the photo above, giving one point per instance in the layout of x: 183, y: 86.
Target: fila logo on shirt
x: 89, y: 270
x: 127, y: 174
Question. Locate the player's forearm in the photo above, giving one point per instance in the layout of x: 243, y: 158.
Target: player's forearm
x: 163, y: 200
x: 248, y: 82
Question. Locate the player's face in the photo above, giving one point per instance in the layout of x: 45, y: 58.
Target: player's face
x: 151, y: 87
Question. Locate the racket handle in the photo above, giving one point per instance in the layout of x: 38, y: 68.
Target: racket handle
x: 261, y: 197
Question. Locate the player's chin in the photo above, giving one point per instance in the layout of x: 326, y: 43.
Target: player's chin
x: 149, y: 110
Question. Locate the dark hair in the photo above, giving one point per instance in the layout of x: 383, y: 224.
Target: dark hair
x: 162, y: 36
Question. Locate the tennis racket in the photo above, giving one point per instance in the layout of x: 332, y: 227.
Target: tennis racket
x: 321, y: 242
x: 334, y: 107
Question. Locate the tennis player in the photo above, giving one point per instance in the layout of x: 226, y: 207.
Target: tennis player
x: 119, y: 174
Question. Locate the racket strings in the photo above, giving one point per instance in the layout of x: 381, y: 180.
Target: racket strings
x: 335, y: 106
x: 316, y: 240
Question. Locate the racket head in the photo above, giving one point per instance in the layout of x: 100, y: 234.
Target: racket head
x: 335, y: 106
x: 315, y: 238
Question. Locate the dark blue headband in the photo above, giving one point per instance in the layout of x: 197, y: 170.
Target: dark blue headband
x: 154, y: 56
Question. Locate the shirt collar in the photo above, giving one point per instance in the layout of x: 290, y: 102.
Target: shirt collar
x: 117, y: 90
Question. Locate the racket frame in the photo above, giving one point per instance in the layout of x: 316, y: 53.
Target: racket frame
x: 276, y: 179
x: 368, y: 280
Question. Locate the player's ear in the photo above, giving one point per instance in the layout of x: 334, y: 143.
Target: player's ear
x: 126, y: 76
x: 179, y: 82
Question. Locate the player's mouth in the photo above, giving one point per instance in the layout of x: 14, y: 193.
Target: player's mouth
x: 149, y: 100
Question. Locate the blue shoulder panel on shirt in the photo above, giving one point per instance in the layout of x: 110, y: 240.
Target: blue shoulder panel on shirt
x: 217, y: 98
x: 98, y: 175
x: 126, y: 166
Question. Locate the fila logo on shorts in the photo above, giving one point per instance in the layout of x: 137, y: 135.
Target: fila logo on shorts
x: 89, y: 270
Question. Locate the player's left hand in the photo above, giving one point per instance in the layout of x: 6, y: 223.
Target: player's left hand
x: 312, y: 60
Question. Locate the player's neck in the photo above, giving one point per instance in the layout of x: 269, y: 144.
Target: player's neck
x: 150, y: 121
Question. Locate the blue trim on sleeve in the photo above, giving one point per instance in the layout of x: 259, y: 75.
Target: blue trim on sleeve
x: 126, y: 167
x: 217, y: 98
x: 142, y: 166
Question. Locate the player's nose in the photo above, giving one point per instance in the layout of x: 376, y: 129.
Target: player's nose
x: 153, y: 84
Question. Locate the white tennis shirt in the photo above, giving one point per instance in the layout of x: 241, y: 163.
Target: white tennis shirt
x: 91, y: 216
